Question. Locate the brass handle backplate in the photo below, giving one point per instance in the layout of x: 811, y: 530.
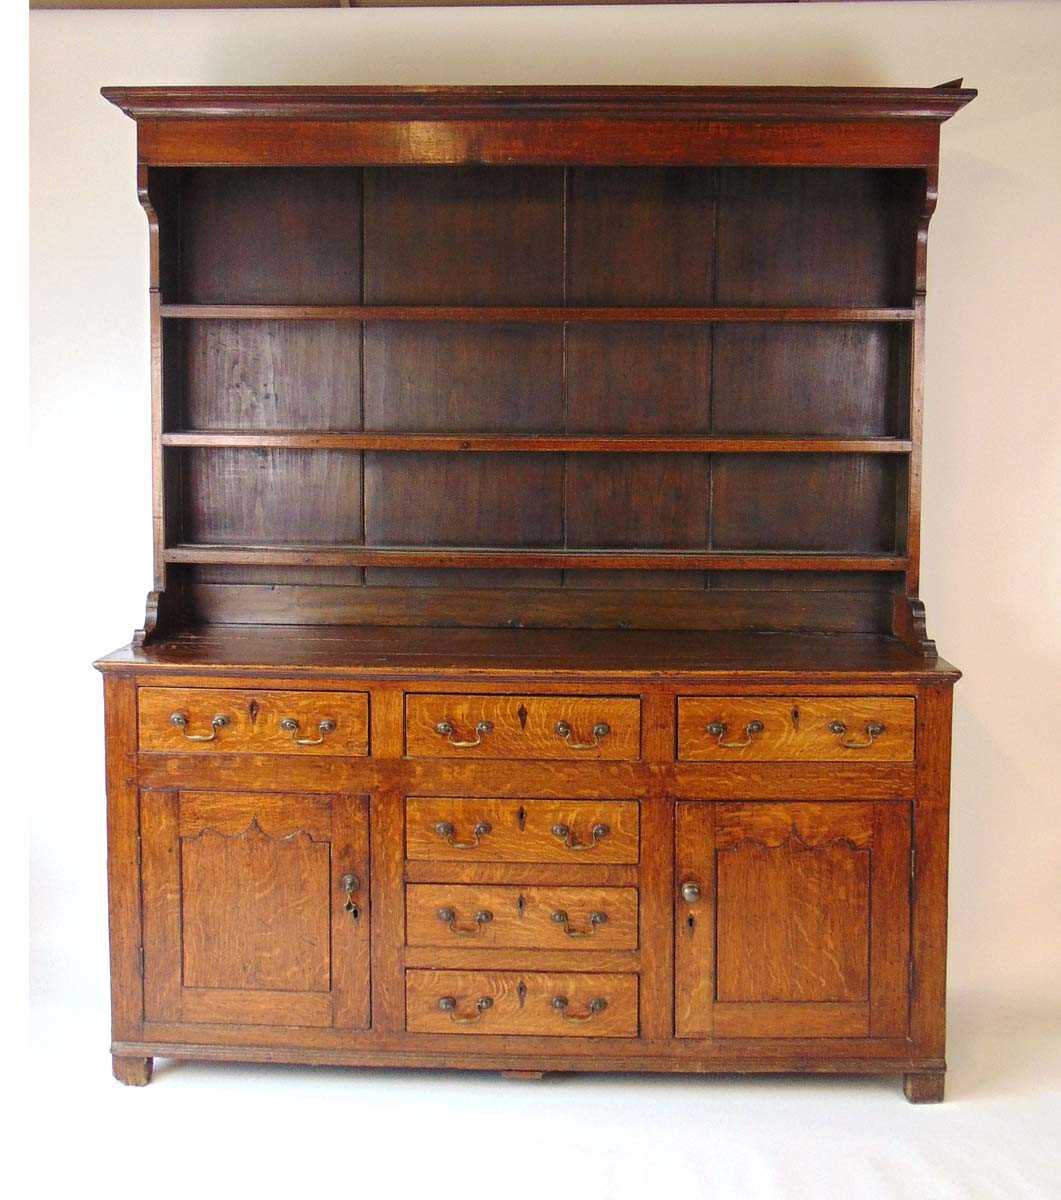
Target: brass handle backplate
x: 181, y: 721
x: 593, y: 922
x: 599, y: 732
x: 448, y: 1004
x: 350, y: 884
x: 873, y: 731
x: 595, y: 1006
x: 290, y: 725
x: 597, y: 833
x: 449, y: 917
x: 719, y: 729
x: 446, y: 730
x: 445, y: 830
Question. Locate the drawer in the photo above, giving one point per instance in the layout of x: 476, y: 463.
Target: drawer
x: 241, y: 721
x: 779, y: 728
x: 451, y: 829
x: 556, y: 1004
x: 526, y: 918
x: 534, y: 727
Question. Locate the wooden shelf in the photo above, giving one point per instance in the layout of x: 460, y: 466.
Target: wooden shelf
x: 522, y: 314
x: 536, y: 443
x: 531, y: 559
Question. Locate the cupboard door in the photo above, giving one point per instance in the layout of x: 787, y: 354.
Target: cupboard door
x: 255, y: 908
x: 792, y: 919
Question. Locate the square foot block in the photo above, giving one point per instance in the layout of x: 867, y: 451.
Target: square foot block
x: 924, y: 1087
x: 130, y: 1070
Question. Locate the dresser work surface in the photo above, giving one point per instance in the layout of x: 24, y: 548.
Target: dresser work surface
x: 534, y: 675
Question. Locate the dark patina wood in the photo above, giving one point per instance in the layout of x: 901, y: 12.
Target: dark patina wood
x: 534, y: 650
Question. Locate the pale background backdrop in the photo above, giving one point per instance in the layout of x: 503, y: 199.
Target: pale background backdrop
x: 991, y: 582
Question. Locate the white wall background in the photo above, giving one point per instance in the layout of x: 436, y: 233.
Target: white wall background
x: 992, y: 555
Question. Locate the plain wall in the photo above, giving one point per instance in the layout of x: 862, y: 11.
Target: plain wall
x: 992, y: 495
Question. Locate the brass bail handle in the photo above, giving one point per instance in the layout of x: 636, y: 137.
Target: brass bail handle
x: 216, y: 725
x: 873, y: 731
x: 446, y: 729
x: 561, y: 1004
x: 598, y: 733
x: 290, y: 725
x: 448, y: 916
x: 593, y: 923
x: 718, y: 729
x: 446, y: 831
x: 448, y: 1004
x: 564, y: 833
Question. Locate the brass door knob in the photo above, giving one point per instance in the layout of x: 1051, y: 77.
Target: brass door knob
x: 690, y: 892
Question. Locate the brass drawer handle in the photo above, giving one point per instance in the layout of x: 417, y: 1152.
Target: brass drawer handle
x: 445, y: 830
x: 181, y: 721
x: 873, y: 731
x: 599, y: 731
x: 597, y: 833
x: 448, y: 1004
x: 449, y: 917
x: 445, y: 728
x: 718, y: 729
x: 351, y: 885
x: 594, y: 921
x: 595, y: 1006
x: 290, y: 725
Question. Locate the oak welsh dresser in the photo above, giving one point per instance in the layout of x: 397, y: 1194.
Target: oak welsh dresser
x: 534, y: 677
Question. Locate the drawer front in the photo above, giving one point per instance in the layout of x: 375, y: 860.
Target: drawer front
x: 554, y: 1004
x: 529, y: 727
x: 449, y: 829
x: 780, y: 728
x: 538, y: 918
x: 238, y: 721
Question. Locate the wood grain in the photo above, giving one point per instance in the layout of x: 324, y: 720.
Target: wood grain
x: 124, y: 867
x: 273, y: 897
x: 694, y: 920
x: 279, y: 236
x: 253, y: 721
x: 522, y: 830
x: 593, y: 918
x: 346, y: 555
x: 247, y: 912
x: 478, y: 442
x: 539, y: 314
x: 508, y: 408
x: 795, y: 728
x: 526, y: 1011
x: 530, y: 102
x: 815, y: 893
x: 270, y: 375
x: 525, y: 727
x: 593, y: 141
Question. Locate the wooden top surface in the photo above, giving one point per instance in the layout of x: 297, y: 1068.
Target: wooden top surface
x: 456, y: 103
x: 364, y: 651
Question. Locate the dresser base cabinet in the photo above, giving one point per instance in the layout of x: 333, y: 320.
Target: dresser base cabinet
x: 534, y: 675
x: 547, y: 909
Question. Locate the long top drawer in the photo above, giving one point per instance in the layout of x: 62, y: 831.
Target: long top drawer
x: 246, y: 721
x: 572, y: 728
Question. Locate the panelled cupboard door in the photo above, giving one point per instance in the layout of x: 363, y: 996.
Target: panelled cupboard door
x: 255, y: 908
x: 792, y: 919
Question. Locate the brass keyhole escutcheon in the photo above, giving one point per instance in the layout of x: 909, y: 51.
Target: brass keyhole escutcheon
x: 351, y: 884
